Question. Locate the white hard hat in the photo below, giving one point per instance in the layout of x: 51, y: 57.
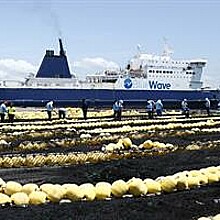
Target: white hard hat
x: 121, y: 101
x: 184, y: 99
x: 206, y: 99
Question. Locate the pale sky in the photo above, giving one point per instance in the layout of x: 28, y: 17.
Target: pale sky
x: 100, y: 34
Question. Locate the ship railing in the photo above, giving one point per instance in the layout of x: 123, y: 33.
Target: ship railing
x: 11, y: 83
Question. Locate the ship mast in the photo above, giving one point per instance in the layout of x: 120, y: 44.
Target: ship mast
x: 167, y: 51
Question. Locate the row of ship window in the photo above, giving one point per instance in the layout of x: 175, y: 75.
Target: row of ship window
x: 164, y: 71
x: 173, y: 62
x: 168, y: 76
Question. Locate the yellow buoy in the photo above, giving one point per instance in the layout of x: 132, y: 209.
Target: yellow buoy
x: 29, y: 188
x: 88, y: 191
x: 137, y: 187
x: 37, y: 197
x: 119, y: 188
x: 73, y: 192
x: 20, y: 198
x: 12, y: 187
x: 103, y: 190
x: 152, y: 186
x: 4, y: 199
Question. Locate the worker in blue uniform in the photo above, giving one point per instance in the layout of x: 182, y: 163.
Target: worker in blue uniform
x: 159, y: 107
x: 207, y: 106
x: 120, y: 107
x: 3, y: 110
x: 49, y: 108
x: 115, y: 109
x: 150, y: 108
x: 185, y: 108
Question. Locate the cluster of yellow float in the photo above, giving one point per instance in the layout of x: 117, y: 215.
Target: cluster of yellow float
x: 126, y: 144
x: 61, y: 142
x: 41, y: 113
x: 14, y: 193
x: 123, y: 148
x: 113, y: 126
x: 52, y: 159
x: 33, y: 127
x: 69, y: 135
x: 66, y: 135
x: 216, y: 217
x: 71, y: 113
x: 203, y: 145
x: 146, y: 124
x: 154, y: 127
x: 30, y: 114
x: 111, y: 151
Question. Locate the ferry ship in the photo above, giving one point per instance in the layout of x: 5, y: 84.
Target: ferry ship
x: 146, y: 76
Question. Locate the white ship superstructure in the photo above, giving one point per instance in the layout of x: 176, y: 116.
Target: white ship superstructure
x: 153, y: 72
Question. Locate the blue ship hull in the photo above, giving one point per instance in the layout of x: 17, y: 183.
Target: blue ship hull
x: 39, y: 96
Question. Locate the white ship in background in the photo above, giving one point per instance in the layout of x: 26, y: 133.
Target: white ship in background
x: 147, y: 76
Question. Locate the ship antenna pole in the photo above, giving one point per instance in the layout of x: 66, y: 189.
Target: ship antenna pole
x: 167, y: 49
x: 139, y: 48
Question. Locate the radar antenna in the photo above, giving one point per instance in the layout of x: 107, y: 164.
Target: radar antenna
x: 139, y: 49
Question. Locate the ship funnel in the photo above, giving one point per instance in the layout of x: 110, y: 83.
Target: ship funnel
x: 62, y: 52
x: 54, y: 66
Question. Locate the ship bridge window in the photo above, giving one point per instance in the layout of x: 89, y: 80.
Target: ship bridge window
x: 150, y: 71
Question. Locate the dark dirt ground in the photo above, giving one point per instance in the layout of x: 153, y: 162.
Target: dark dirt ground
x: 189, y: 204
